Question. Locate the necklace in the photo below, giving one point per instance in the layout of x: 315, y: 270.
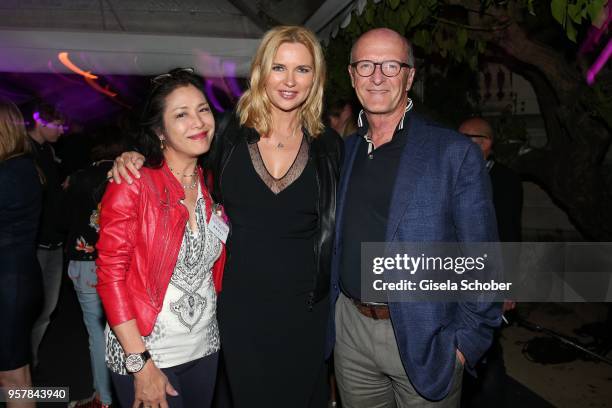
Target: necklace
x: 192, y: 185
x: 178, y: 173
x: 280, y: 145
x: 194, y: 175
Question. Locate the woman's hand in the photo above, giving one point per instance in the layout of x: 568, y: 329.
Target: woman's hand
x: 151, y: 386
x: 125, y: 166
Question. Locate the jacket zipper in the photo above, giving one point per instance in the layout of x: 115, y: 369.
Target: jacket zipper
x: 311, y: 295
x: 163, y: 263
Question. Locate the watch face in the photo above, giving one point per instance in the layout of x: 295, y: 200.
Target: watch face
x: 134, y: 363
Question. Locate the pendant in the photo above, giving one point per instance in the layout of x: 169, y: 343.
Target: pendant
x: 280, y: 145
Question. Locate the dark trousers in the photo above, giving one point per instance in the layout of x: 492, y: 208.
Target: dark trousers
x: 194, y: 381
x: 489, y: 388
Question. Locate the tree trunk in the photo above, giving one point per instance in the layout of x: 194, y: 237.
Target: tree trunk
x: 569, y: 168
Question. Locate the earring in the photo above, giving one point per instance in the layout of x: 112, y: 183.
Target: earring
x: 162, y: 144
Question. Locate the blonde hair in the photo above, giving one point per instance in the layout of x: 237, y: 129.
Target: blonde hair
x: 254, y: 107
x: 13, y: 136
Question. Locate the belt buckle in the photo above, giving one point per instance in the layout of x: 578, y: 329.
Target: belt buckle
x: 368, y: 309
x: 373, y: 312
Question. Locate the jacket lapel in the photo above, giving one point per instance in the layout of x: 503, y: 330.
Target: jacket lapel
x: 410, y: 169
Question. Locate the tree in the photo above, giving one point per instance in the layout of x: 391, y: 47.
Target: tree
x: 538, y: 40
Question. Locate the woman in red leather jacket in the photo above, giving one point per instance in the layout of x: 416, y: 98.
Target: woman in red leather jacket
x: 161, y: 256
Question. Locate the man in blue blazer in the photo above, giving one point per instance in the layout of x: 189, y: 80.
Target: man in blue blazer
x: 404, y: 180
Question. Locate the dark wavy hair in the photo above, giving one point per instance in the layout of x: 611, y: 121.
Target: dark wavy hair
x: 152, y: 114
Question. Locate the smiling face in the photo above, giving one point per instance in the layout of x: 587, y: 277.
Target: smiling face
x: 378, y: 93
x: 189, y: 125
x: 291, y: 76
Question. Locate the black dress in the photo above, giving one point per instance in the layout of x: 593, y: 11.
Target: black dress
x: 20, y: 277
x: 272, y: 343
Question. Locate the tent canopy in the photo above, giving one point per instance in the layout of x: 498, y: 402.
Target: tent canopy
x: 142, y: 37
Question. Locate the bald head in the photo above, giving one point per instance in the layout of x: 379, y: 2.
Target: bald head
x: 387, y: 36
x: 481, y: 133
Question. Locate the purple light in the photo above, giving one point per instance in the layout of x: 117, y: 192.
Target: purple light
x: 593, y: 36
x: 208, y: 89
x: 599, y: 63
x: 230, y: 69
x: 37, y: 118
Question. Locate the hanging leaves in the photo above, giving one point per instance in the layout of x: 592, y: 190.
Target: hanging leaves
x: 421, y: 21
x: 558, y: 9
x: 394, y: 4
x: 594, y: 10
x: 571, y: 14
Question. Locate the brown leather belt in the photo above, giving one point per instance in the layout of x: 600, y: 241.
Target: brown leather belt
x: 376, y: 312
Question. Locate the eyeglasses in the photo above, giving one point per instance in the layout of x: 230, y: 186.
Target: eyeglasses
x: 161, y: 78
x: 391, y: 68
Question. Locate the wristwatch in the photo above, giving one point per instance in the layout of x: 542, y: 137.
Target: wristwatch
x: 134, y: 362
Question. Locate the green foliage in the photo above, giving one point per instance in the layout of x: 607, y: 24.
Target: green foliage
x: 573, y: 13
x: 421, y: 22
x: 530, y: 7
x: 558, y: 9
x: 594, y: 9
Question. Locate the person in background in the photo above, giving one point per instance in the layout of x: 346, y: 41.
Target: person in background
x: 20, y: 279
x: 161, y: 256
x: 84, y: 190
x: 341, y: 117
x: 488, y: 388
x: 276, y: 170
x: 506, y: 184
x: 45, y: 126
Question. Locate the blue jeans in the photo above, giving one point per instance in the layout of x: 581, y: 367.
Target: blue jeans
x: 50, y: 261
x: 83, y: 275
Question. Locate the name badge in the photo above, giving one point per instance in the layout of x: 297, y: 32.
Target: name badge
x: 218, y: 227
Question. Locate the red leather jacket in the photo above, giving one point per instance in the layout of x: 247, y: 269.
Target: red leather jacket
x: 141, y: 230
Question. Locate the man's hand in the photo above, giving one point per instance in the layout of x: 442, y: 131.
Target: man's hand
x: 508, y: 305
x: 461, y: 357
x: 151, y: 387
x: 125, y: 166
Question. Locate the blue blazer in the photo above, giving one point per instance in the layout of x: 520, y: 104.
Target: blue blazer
x: 442, y: 193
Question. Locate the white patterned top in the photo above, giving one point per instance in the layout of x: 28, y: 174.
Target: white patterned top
x: 186, y: 328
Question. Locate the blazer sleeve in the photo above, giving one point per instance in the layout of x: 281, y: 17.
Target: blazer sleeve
x: 475, y: 221
x: 118, y: 226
